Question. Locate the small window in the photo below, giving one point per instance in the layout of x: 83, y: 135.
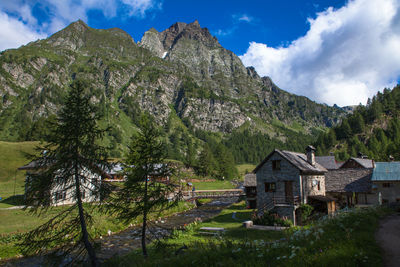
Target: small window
x: 270, y: 187
x: 386, y: 184
x: 83, y: 195
x: 276, y: 165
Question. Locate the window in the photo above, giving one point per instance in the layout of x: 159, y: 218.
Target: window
x: 276, y: 165
x: 59, y: 196
x: 386, y: 184
x: 83, y: 195
x: 270, y: 187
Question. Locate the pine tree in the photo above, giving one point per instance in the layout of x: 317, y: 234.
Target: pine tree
x: 144, y: 192
x: 72, y: 153
x: 206, y: 162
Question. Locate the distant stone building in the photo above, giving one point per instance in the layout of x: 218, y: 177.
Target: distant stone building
x: 286, y: 179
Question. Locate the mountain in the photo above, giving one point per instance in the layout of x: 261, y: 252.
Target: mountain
x: 372, y: 130
x: 193, y: 87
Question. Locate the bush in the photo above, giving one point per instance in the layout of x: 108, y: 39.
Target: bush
x: 271, y: 219
x: 306, y: 211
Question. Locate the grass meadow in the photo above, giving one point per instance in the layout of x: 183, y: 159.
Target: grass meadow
x: 13, y: 156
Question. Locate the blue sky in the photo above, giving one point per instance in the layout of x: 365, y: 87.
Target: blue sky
x: 330, y: 51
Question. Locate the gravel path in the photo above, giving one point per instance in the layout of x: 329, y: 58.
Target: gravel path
x: 388, y: 238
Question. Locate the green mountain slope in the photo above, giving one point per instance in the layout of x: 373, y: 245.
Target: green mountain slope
x: 373, y: 130
x: 182, y: 76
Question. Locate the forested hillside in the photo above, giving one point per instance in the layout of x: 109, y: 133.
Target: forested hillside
x: 373, y: 130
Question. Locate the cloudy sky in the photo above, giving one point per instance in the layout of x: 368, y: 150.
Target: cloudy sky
x: 332, y: 51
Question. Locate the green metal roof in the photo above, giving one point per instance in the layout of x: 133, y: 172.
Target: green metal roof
x: 386, y: 171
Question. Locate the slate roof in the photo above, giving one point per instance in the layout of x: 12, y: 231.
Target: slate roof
x: 329, y: 162
x: 250, y: 179
x: 348, y: 180
x: 35, y: 164
x: 386, y: 171
x: 365, y: 163
x: 299, y: 160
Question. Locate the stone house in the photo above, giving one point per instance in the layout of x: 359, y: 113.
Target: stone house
x: 250, y: 185
x: 286, y: 179
x: 350, y: 186
x: 386, y: 181
x: 64, y: 194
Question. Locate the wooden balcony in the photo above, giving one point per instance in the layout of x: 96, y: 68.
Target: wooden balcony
x: 286, y: 200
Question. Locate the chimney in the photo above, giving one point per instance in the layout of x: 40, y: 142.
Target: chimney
x: 310, y: 151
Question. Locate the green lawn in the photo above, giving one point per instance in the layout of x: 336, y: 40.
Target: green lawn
x: 12, y: 156
x: 213, y: 185
x: 245, y: 168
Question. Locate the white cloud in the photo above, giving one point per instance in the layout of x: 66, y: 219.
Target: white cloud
x: 15, y: 33
x: 245, y: 18
x: 347, y: 55
x: 20, y: 26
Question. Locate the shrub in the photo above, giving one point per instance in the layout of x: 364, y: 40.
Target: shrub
x: 271, y: 219
x: 306, y: 211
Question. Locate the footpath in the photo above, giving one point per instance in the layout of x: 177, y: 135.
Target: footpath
x: 388, y: 238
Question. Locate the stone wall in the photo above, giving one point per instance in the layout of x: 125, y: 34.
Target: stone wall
x: 310, y: 186
x: 390, y: 194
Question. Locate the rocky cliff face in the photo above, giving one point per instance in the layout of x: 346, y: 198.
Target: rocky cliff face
x: 182, y: 70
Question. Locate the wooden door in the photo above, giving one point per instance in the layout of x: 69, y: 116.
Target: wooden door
x: 289, y: 191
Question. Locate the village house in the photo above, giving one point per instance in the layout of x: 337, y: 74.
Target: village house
x: 386, y: 181
x: 286, y: 179
x: 63, y: 194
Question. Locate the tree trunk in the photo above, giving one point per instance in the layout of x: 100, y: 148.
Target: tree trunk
x: 144, y: 220
x: 85, y: 235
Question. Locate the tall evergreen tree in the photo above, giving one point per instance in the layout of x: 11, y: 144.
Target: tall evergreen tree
x: 72, y: 157
x: 143, y: 191
x: 206, y: 162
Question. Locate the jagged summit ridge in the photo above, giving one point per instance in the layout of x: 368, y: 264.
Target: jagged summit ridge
x: 161, y: 43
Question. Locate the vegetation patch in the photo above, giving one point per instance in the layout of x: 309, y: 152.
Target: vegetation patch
x: 347, y: 239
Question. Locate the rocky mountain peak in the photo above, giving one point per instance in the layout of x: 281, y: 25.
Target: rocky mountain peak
x: 71, y: 36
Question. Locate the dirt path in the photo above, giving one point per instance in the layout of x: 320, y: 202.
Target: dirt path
x: 388, y: 238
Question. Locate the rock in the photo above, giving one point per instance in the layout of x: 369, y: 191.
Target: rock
x: 248, y: 224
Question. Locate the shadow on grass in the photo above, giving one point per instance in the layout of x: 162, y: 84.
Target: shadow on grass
x: 16, y: 200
